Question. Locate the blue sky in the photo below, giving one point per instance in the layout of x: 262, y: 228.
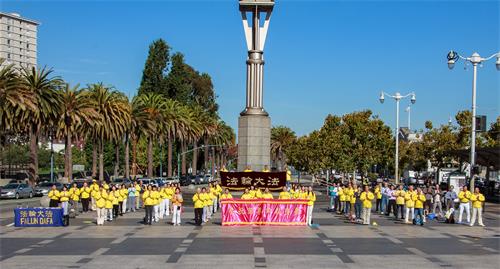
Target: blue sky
x: 321, y: 56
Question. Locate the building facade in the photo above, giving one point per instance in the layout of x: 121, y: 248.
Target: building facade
x: 18, y: 40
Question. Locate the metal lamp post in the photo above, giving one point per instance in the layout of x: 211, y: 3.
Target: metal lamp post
x: 475, y: 59
x: 397, y: 97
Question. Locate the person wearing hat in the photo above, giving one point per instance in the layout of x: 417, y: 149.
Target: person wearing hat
x: 85, y: 196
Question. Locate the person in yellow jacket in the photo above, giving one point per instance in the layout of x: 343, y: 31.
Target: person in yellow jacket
x: 252, y: 191
x: 348, y: 193
x: 198, y: 207
x: 85, y: 196
x: 64, y: 198
x: 248, y: 169
x: 101, y: 198
x: 214, y: 195
x: 352, y: 201
x: 366, y: 197
x: 205, y: 197
x: 311, y: 198
x: 341, y: 194
x: 138, y: 190
x: 288, y: 176
x: 266, y: 169
x: 477, y: 200
x: 163, y: 197
x: 267, y: 194
x: 124, y: 195
x: 226, y: 195
x: 169, y: 191
x: 410, y: 204
x: 303, y: 194
x: 209, y: 203
x: 148, y: 201
x: 109, y: 203
x: 464, y: 196
x: 419, y: 199
x: 74, y: 197
x: 155, y: 194
x: 223, y: 169
x: 218, y: 188
x: 400, y: 202
x: 54, y: 197
x: 246, y: 195
x: 115, y: 195
x: 258, y: 193
x: 378, y: 195
x: 177, y: 207
x: 94, y: 189
x: 284, y: 194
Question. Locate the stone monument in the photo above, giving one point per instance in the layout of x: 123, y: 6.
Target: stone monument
x: 254, y: 123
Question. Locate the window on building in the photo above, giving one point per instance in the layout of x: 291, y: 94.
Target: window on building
x: 8, y: 55
x: 8, y: 41
x: 28, y: 46
x: 8, y: 28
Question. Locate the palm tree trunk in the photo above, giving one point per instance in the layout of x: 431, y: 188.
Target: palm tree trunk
x: 150, y: 157
x: 195, y: 157
x: 33, y: 166
x: 117, y: 159
x: 213, y: 161
x: 205, y: 142
x: 169, y: 153
x: 127, y: 157
x: 94, y: 158
x: 101, y: 160
x: 134, y: 157
x: 183, y: 164
x: 68, y: 157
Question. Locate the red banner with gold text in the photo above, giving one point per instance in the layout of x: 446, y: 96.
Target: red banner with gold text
x: 264, y: 212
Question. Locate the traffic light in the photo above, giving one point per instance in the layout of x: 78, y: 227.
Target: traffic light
x: 481, y: 123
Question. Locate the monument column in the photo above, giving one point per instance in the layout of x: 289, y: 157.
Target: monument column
x: 254, y: 124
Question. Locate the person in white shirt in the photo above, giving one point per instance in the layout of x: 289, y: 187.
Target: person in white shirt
x: 391, y: 206
x: 437, y: 201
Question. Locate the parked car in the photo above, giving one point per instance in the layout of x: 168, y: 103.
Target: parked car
x: 44, y: 188
x: 16, y: 190
x: 185, y: 181
x: 120, y: 181
x: 171, y: 180
x: 207, y: 178
x: 161, y: 181
x: 148, y: 181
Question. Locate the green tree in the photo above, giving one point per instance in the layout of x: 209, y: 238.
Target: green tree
x: 281, y: 138
x: 155, y: 68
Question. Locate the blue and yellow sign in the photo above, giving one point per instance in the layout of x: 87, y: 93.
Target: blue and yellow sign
x: 38, y: 217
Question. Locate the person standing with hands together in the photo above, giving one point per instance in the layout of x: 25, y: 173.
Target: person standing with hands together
x: 177, y: 207
x: 464, y: 197
x: 477, y: 207
x: 367, y: 198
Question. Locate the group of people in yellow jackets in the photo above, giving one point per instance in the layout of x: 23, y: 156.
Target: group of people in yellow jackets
x: 207, y: 201
x: 159, y: 201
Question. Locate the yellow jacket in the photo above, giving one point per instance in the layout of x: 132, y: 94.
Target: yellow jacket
x: 137, y: 190
x: 109, y: 199
x: 163, y: 194
x: 419, y: 200
x: 64, y: 196
x: 147, y: 197
x: 226, y: 196
x: 198, y: 201
x: 288, y: 175
x: 252, y: 193
x: 311, y: 197
x: 400, y: 199
x: 54, y: 195
x: 341, y: 194
x: 353, y: 197
x: 75, y: 194
x: 100, y: 198
x: 303, y: 195
x: 284, y: 195
x: 209, y: 198
x: 219, y: 189
x: 116, y: 196
x: 247, y: 196
x: 477, y: 200
x: 124, y: 194
x: 464, y: 197
x: 410, y: 202
x: 378, y: 193
x: 267, y: 196
x: 85, y: 192
x: 367, y: 198
x: 94, y: 188
x: 169, y: 192
x: 155, y: 195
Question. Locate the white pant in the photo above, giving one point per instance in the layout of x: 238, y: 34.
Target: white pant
x: 124, y: 206
x: 408, y: 211
x: 479, y: 213
x: 366, y: 215
x: 466, y: 207
x: 214, y: 205
x: 209, y: 211
x: 167, y: 207
x: 156, y: 213
x: 109, y: 213
x: 65, y: 208
x: 162, y: 208
x: 92, y: 205
x: 176, y: 217
x: 204, y: 217
x: 309, y: 214
x: 101, y: 216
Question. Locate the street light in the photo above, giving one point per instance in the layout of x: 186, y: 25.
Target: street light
x: 475, y: 59
x: 397, y: 97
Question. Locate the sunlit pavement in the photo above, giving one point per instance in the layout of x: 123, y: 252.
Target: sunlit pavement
x: 332, y: 243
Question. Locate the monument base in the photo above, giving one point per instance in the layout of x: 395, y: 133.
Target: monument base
x: 254, y: 141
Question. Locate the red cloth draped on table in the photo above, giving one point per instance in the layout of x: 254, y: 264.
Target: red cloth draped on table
x: 264, y: 212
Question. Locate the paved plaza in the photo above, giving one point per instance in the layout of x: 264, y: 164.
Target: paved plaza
x: 331, y: 243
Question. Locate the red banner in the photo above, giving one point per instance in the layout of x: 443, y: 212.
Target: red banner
x: 264, y: 212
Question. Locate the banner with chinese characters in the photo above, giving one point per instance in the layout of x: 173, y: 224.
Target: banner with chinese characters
x: 38, y: 217
x: 275, y: 181
x: 264, y: 212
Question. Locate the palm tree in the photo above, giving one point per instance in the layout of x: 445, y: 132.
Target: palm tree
x: 153, y: 105
x: 281, y: 138
x: 14, y: 98
x: 45, y: 91
x: 78, y: 109
x: 174, y: 118
x: 114, y: 111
